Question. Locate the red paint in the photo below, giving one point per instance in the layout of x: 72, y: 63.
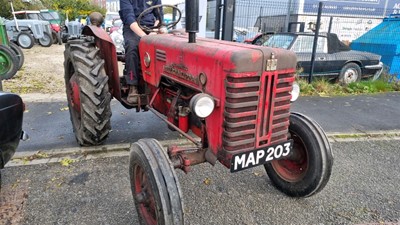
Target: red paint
x: 233, y: 71
x: 109, y: 54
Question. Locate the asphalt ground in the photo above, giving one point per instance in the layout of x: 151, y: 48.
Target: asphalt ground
x: 48, y: 124
x: 94, y: 189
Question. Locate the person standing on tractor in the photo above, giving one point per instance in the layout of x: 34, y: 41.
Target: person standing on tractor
x: 129, y: 11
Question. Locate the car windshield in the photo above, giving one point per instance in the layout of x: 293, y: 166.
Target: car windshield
x: 33, y: 16
x: 279, y: 41
x: 50, y: 15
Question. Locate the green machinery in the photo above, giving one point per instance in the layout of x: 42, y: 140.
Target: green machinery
x: 11, y: 56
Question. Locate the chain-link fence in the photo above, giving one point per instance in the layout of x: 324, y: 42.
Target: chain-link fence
x: 367, y: 25
x: 348, y: 19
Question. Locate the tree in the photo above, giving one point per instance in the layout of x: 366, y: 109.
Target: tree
x: 5, y: 7
x: 70, y: 8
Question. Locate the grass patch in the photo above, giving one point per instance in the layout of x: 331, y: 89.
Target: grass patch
x: 323, y: 87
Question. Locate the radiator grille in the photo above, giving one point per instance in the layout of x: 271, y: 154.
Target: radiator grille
x: 243, y: 107
x: 281, y: 108
x: 242, y: 97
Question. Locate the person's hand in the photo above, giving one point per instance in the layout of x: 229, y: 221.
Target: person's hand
x: 152, y: 33
x: 162, y: 30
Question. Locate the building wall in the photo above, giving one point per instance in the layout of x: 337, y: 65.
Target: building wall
x: 112, y: 5
x: 101, y: 3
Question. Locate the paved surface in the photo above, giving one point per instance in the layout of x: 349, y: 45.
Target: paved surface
x: 94, y: 189
x: 48, y: 124
x: 353, y: 114
x: 363, y: 189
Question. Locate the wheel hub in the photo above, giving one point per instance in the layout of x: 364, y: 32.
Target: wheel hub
x: 5, y: 63
x: 294, y: 168
x: 75, y: 98
x: 144, y: 196
x: 350, y: 76
x: 24, y: 40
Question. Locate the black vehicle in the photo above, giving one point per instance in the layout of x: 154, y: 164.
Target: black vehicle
x: 333, y: 58
x: 11, y: 115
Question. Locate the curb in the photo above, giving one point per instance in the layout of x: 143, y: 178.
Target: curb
x: 115, y: 150
x: 78, y: 153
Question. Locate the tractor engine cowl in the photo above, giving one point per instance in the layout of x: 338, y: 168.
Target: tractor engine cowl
x: 244, y: 91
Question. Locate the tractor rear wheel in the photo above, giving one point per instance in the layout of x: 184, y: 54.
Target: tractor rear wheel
x: 87, y: 92
x: 25, y: 40
x: 46, y: 40
x: 309, y: 166
x: 154, y: 184
x: 8, y: 62
x: 20, y: 55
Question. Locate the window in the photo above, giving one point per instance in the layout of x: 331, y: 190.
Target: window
x: 279, y: 41
x: 305, y: 44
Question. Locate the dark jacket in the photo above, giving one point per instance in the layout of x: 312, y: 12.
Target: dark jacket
x: 131, y: 9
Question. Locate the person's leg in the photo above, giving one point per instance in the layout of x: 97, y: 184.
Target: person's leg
x: 132, y: 70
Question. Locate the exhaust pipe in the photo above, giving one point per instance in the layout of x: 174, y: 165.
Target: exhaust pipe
x: 192, y: 19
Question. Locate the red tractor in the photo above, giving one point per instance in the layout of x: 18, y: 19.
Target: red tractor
x: 231, y: 100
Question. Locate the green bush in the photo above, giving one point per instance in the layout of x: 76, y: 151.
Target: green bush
x: 324, y: 87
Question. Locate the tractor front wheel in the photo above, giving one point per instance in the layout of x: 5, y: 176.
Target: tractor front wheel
x: 87, y: 92
x: 25, y: 40
x: 154, y: 184
x: 309, y: 166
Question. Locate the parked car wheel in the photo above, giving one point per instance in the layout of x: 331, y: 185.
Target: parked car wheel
x: 350, y: 73
x: 8, y: 62
x: 25, y: 40
x: 46, y: 41
x: 20, y: 55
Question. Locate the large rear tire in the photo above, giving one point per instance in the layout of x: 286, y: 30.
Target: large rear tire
x: 20, y: 54
x: 87, y: 92
x: 308, y: 169
x: 8, y: 62
x: 46, y: 40
x: 154, y: 184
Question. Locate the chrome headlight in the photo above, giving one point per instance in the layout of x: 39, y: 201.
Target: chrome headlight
x: 295, y: 92
x: 202, y: 105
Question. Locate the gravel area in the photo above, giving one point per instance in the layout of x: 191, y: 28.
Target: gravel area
x: 42, y: 72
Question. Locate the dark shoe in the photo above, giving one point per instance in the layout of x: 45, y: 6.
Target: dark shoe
x: 133, y: 95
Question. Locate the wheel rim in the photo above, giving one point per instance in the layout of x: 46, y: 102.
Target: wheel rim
x: 295, y: 167
x: 144, y: 196
x: 24, y: 40
x: 45, y: 40
x: 5, y: 62
x: 74, y: 100
x: 350, y: 75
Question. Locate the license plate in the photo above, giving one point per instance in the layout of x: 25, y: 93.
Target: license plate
x: 257, y: 157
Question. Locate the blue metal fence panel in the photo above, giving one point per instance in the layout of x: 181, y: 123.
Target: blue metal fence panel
x: 384, y: 40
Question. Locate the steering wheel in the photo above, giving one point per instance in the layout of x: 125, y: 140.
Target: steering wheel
x: 161, y: 23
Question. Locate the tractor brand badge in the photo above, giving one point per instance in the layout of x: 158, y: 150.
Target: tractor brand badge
x: 180, y: 72
x: 149, y: 2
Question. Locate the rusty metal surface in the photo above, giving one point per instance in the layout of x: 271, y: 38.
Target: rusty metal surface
x: 252, y: 96
x: 109, y: 54
x: 12, y: 203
